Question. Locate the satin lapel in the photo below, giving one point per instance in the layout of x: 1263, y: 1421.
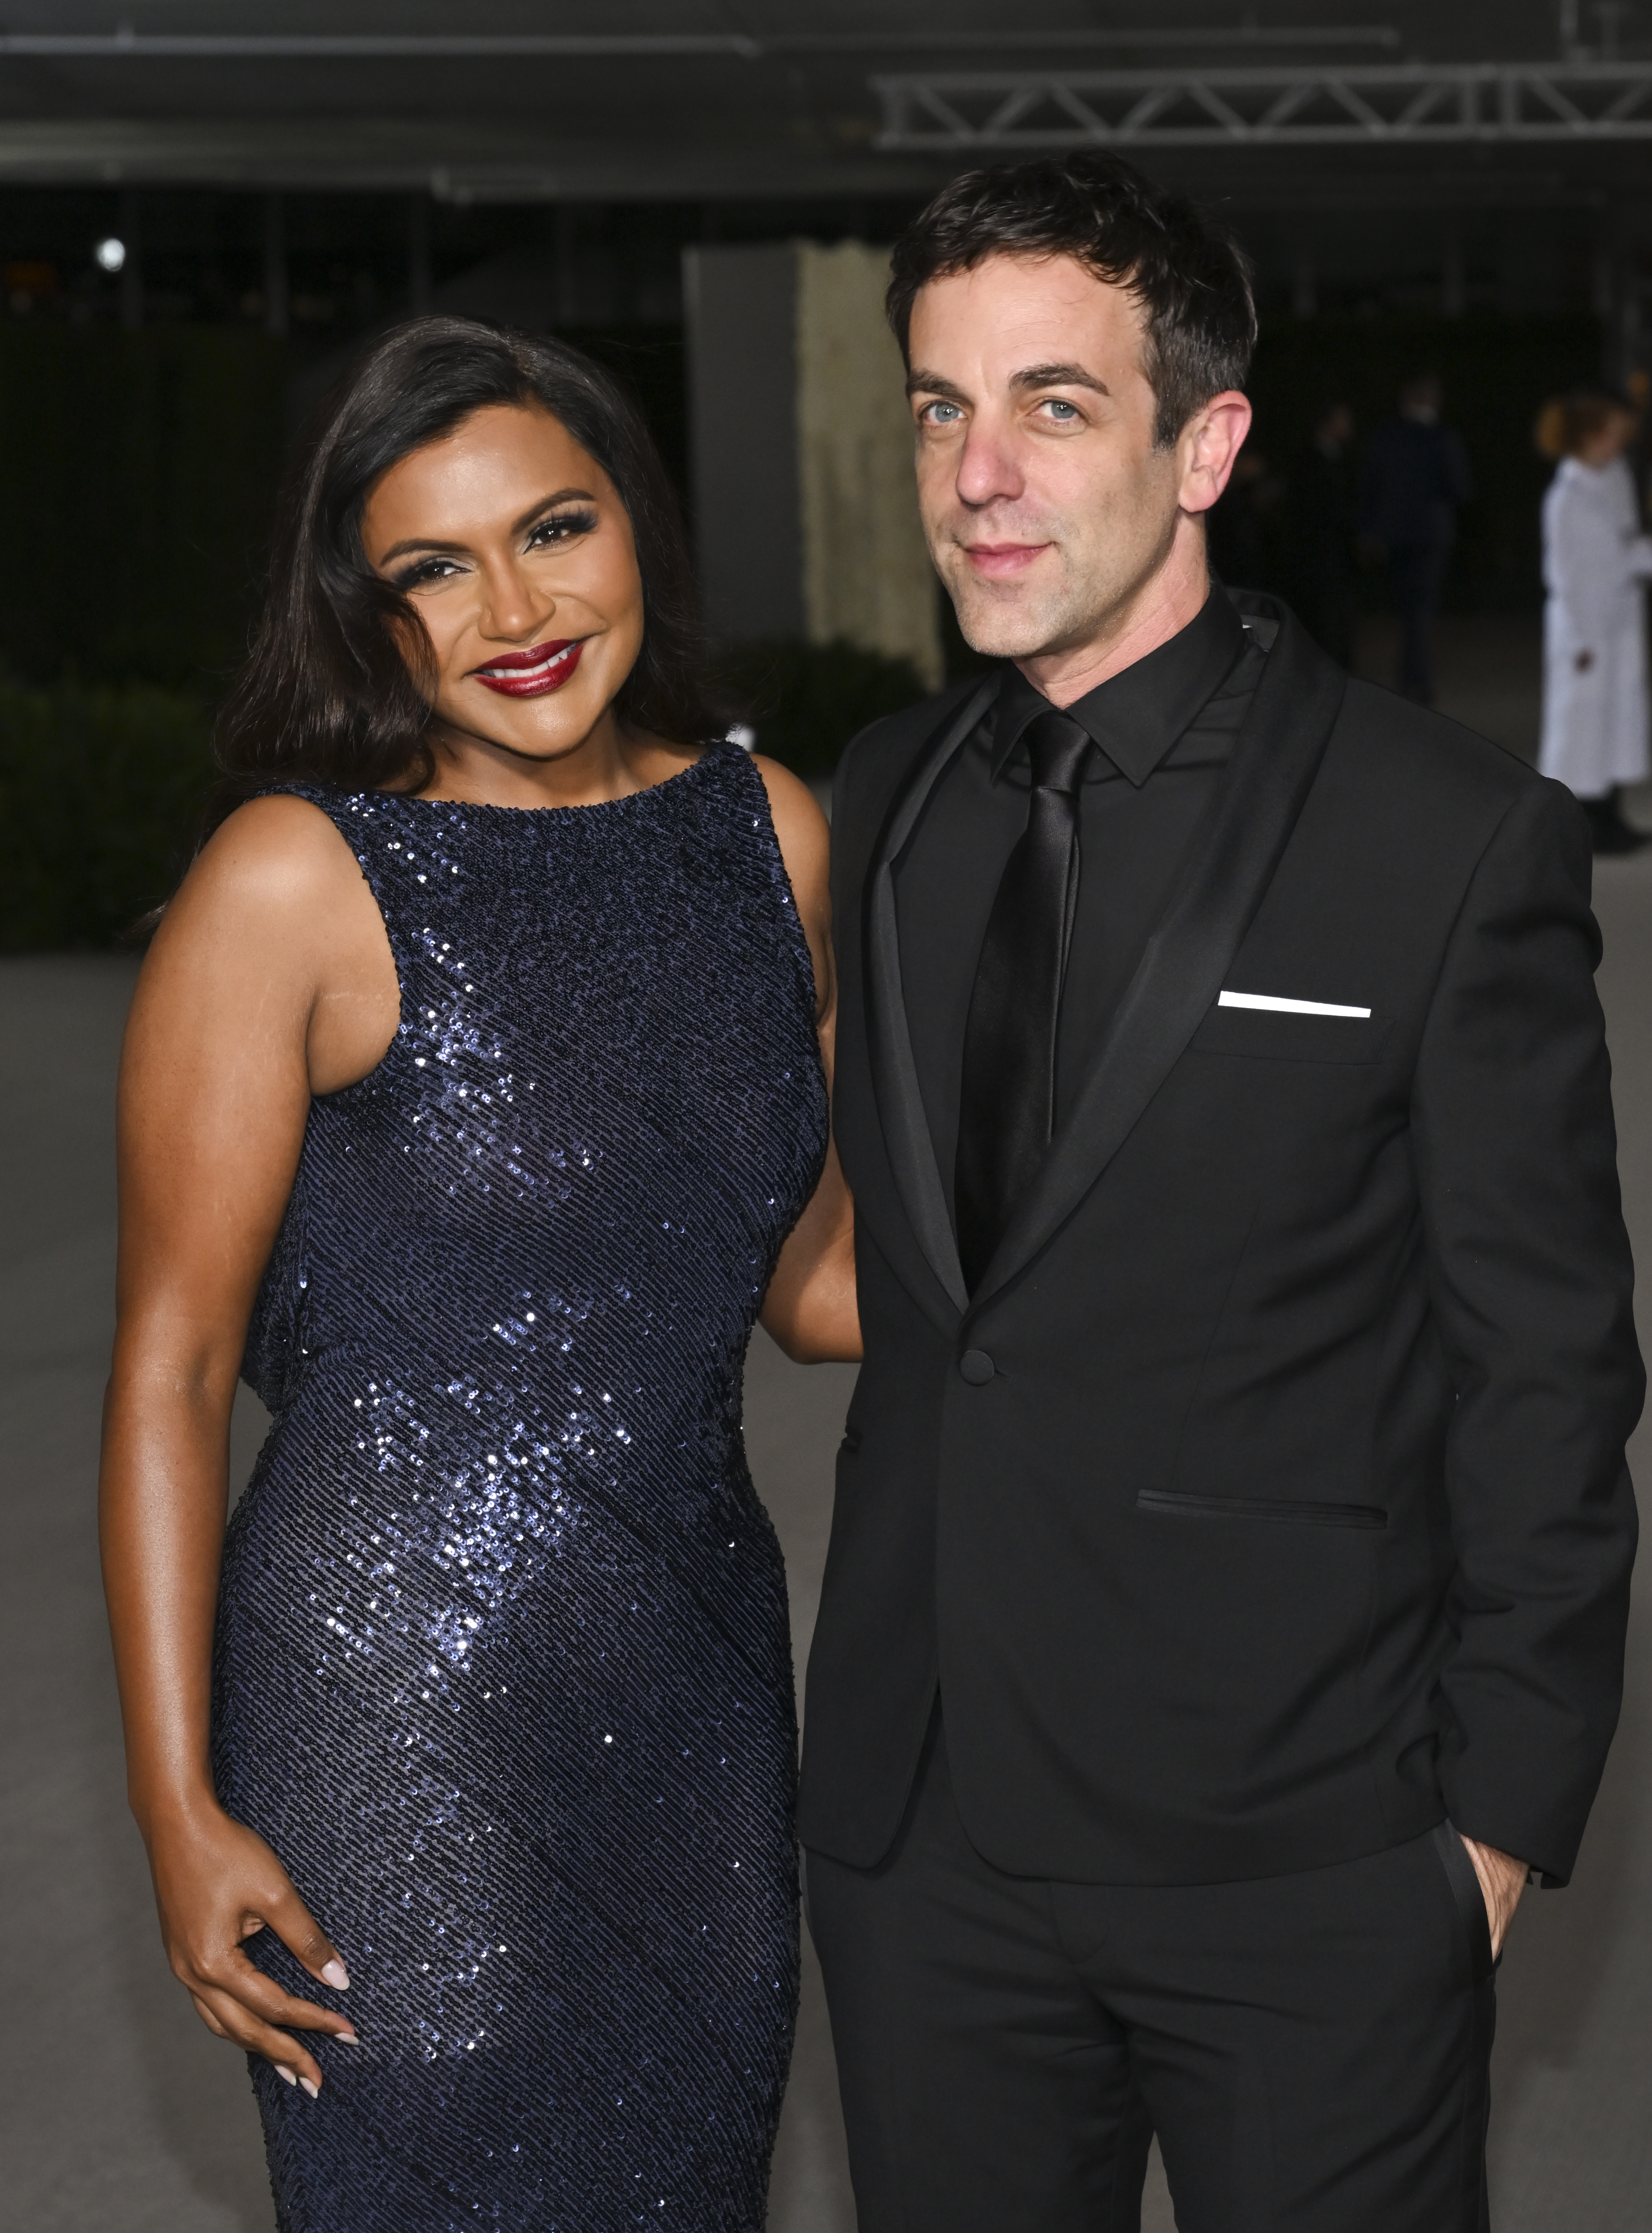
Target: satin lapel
x: 907, y: 1138
x: 1275, y: 759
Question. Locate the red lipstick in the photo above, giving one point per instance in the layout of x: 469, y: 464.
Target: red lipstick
x: 531, y: 673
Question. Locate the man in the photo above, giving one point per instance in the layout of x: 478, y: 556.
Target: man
x: 1227, y: 1584
x: 1415, y: 477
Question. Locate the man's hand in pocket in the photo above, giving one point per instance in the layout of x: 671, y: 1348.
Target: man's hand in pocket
x: 1502, y: 1879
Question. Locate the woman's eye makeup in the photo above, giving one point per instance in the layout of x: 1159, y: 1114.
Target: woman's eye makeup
x: 422, y: 571
x: 561, y: 527
x: 557, y: 527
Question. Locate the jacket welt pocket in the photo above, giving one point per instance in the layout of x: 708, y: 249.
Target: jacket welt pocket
x: 1293, y: 1510
x: 1290, y: 1038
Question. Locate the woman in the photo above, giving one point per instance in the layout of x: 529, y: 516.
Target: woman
x: 1595, y: 559
x: 474, y: 1088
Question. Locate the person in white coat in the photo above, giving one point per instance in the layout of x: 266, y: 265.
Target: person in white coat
x: 1595, y: 562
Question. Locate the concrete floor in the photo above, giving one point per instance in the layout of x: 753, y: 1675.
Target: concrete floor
x: 119, y: 2114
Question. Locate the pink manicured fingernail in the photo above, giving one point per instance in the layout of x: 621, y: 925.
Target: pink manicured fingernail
x: 282, y: 2071
x: 336, y: 1976
x: 346, y: 2039
x: 311, y: 2089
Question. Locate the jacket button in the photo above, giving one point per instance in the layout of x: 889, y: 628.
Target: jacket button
x: 976, y: 1367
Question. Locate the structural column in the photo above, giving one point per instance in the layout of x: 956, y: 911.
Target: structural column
x: 1453, y: 273
x: 419, y: 276
x: 804, y: 504
x: 276, y: 305
x: 566, y: 264
x: 131, y: 267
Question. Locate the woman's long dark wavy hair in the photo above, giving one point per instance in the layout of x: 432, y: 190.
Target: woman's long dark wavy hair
x: 326, y: 694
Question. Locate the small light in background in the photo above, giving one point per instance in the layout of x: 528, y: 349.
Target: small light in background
x: 744, y: 736
x: 111, y: 254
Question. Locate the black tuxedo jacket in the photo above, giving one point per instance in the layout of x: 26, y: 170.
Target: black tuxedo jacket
x: 1267, y: 1502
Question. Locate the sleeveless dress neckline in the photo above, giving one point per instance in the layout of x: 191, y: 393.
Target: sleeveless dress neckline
x: 709, y: 751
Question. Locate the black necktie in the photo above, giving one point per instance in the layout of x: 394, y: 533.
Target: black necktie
x: 1006, y: 1112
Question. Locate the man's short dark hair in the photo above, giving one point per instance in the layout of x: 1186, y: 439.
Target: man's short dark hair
x: 1189, y: 273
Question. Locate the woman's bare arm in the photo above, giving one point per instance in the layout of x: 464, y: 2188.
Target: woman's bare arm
x: 809, y: 1308
x: 269, y: 977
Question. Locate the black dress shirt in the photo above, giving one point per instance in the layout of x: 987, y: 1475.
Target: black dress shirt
x: 1165, y: 728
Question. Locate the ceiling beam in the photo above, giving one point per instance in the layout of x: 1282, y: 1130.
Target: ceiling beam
x: 478, y: 159
x: 128, y: 44
x: 1412, y: 105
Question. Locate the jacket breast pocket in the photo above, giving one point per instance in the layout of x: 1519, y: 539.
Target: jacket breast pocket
x: 1275, y: 1038
x: 1288, y: 1511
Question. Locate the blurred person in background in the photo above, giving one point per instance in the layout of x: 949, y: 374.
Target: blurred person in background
x: 1323, y: 518
x: 1596, y: 561
x: 1416, y: 475
x: 1235, y: 530
x: 473, y: 1105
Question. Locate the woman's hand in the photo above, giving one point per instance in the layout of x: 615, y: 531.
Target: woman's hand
x: 216, y: 1882
x: 264, y: 985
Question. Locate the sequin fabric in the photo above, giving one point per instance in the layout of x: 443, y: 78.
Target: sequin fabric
x: 503, y: 1669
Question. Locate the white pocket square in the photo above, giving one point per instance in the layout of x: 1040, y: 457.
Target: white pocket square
x: 1277, y: 1005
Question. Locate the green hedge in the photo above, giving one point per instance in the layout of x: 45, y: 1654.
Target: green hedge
x: 101, y: 795
x: 806, y: 701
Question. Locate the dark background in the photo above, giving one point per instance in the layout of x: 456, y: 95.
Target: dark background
x: 279, y: 207
x: 142, y: 427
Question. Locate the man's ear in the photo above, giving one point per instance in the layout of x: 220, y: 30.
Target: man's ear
x: 1207, y: 446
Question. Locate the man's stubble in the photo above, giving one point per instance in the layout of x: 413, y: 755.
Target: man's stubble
x: 1101, y: 565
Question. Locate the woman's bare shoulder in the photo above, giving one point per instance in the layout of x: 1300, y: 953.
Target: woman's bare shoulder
x: 273, y: 946
x: 804, y: 839
x: 275, y: 872
x: 277, y: 852
x: 799, y: 824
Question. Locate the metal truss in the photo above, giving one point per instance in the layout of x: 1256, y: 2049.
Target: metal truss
x: 1413, y: 104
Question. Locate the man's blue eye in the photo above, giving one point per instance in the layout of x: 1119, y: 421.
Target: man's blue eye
x: 1070, y: 409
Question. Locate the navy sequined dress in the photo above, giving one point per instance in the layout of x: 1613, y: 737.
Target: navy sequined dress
x: 502, y: 1671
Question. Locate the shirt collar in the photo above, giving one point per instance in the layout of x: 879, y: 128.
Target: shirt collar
x: 1137, y: 715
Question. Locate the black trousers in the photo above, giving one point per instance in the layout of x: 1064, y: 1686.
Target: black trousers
x: 1312, y: 2050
